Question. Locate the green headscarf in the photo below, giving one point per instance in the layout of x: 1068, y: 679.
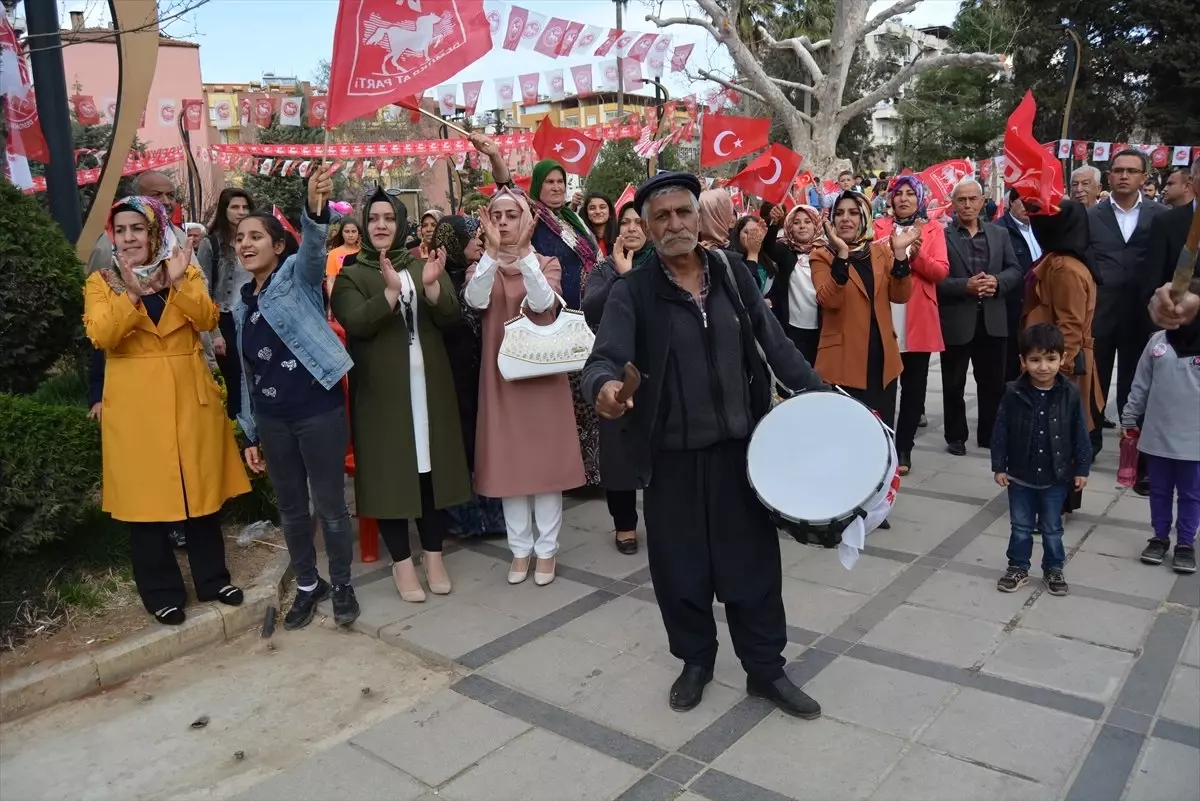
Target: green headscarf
x: 368, y: 254
x: 540, y: 171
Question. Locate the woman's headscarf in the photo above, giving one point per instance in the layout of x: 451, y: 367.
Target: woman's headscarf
x: 716, y: 218
x: 152, y: 276
x: 647, y: 246
x: 562, y: 222
x: 1066, y: 232
x: 452, y: 235
x: 436, y: 214
x: 861, y: 242
x: 813, y: 214
x: 368, y: 254
x: 918, y: 188
x: 507, y: 255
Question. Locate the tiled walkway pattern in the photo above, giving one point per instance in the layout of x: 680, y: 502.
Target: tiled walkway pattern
x: 933, y: 684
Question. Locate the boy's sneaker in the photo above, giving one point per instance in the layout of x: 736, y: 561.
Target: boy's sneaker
x: 345, y: 605
x: 305, y: 605
x: 1184, y: 560
x: 1014, y: 579
x: 1155, y: 551
x: 1056, y: 584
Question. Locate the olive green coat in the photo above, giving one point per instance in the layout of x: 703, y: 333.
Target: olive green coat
x: 386, y: 483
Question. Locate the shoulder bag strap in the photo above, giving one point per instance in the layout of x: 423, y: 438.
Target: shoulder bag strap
x: 737, y: 299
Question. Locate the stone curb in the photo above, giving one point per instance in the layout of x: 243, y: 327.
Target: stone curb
x: 39, y: 687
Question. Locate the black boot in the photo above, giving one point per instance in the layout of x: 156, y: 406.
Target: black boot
x: 785, y: 695
x: 688, y: 689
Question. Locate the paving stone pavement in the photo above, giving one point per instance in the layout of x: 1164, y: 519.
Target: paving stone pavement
x: 933, y: 684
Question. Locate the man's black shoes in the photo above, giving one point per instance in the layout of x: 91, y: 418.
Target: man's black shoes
x: 785, y: 695
x: 688, y: 689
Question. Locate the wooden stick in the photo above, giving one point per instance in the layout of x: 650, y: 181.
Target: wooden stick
x: 1185, y: 267
x: 445, y: 122
x: 325, y: 152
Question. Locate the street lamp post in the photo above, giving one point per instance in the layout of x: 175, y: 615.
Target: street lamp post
x: 661, y: 96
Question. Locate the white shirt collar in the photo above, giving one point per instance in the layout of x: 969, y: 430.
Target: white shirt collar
x: 1117, y: 206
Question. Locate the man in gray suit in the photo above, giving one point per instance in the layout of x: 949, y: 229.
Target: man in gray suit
x: 1119, y: 237
x: 983, y: 270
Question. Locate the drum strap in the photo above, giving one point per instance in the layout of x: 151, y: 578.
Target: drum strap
x: 737, y: 297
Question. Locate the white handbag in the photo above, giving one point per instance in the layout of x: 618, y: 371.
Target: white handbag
x: 529, y: 350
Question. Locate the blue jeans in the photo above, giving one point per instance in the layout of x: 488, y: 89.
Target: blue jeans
x: 1042, y: 509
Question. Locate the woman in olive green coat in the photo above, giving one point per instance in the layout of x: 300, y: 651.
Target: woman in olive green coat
x: 408, y: 450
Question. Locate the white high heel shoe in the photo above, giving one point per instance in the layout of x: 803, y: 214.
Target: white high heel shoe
x: 540, y: 577
x: 518, y: 571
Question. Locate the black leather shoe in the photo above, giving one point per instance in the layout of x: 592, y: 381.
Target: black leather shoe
x: 904, y: 459
x: 923, y: 422
x: 956, y: 448
x: 1106, y: 423
x: 1142, y: 487
x: 688, y: 689
x: 785, y: 695
x: 885, y: 525
x: 629, y: 546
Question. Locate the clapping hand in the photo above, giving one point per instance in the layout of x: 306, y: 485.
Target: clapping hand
x: 178, y: 263
x: 320, y: 187
x: 525, y: 239
x: 491, y: 235
x: 391, y: 278
x: 901, y: 241
x: 435, y: 265
x: 836, y: 242
x: 622, y: 258
x: 133, y: 286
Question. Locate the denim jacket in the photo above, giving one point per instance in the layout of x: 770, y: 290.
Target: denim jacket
x: 294, y: 306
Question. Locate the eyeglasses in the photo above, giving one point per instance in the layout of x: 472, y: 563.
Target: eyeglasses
x: 1125, y: 171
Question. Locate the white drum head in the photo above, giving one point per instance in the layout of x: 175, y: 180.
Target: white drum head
x: 818, y: 456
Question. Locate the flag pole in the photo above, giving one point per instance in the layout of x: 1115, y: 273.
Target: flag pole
x: 442, y: 121
x: 325, y: 149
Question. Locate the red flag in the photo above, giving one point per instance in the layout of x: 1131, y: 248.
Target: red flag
x: 582, y: 76
x: 529, y: 87
x: 264, y: 110
x: 86, y: 112
x: 680, y: 56
x: 317, y: 107
x: 383, y: 50
x: 631, y: 75
x: 941, y: 178
x: 1034, y: 173
x: 523, y: 182
x: 626, y: 197
x: 1080, y: 150
x: 516, y: 26
x: 552, y: 37
x: 24, y: 130
x: 1160, y: 156
x: 803, y: 182
x: 413, y: 104
x: 193, y: 114
x: 471, y: 90
x: 570, y: 148
x: 642, y: 46
x: 570, y: 35
x: 287, y: 226
x: 725, y: 137
x: 770, y: 175
x: 607, y: 44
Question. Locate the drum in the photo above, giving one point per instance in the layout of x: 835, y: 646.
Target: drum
x: 822, y: 462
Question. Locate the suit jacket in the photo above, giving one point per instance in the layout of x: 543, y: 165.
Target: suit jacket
x: 1119, y: 305
x: 957, y: 307
x: 1024, y: 258
x: 1168, y: 233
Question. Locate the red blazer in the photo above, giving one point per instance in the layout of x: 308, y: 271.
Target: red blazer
x: 929, y: 268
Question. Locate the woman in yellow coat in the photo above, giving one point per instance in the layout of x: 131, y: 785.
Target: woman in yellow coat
x: 168, y: 450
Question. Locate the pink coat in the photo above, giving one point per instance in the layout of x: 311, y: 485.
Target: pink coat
x: 526, y: 442
x: 929, y: 268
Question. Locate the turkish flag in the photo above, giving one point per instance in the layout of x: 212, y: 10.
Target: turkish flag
x: 1080, y: 150
x: 383, y: 50
x: 1160, y: 156
x: 523, y: 182
x: 287, y: 226
x: 193, y: 114
x: 626, y: 197
x: 771, y: 174
x: 317, y: 107
x: 1034, y: 173
x: 86, y: 112
x: 725, y: 137
x: 941, y: 178
x: 552, y: 37
x: 570, y: 148
x: 529, y: 88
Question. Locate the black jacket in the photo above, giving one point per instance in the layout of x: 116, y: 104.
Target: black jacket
x: 1012, y: 439
x: 1124, y: 273
x: 958, y: 309
x: 636, y: 328
x: 1168, y: 234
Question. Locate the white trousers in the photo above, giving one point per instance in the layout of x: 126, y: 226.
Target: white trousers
x: 520, y: 515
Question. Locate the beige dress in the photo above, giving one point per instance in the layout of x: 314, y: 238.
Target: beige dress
x: 526, y: 438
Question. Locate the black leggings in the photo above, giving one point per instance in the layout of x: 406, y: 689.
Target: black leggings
x: 622, y: 505
x: 431, y: 526
x: 156, y: 573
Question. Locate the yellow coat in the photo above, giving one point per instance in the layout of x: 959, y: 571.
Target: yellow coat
x: 162, y: 418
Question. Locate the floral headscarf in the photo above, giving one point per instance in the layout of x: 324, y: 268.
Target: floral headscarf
x: 452, y: 235
x: 152, y: 276
x: 918, y: 188
x: 813, y: 214
x: 716, y: 218
x: 861, y: 243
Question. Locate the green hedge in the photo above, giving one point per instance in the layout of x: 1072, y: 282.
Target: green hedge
x: 41, y: 292
x: 49, y: 471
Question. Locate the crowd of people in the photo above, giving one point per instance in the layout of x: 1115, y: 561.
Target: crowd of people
x: 362, y: 333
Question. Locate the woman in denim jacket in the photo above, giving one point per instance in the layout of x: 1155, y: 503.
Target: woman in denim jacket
x: 292, y: 400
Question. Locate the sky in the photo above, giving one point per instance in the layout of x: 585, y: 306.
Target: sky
x: 242, y: 39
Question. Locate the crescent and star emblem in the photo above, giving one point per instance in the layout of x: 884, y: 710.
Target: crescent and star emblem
x: 717, y: 143
x: 559, y: 148
x: 778, y: 172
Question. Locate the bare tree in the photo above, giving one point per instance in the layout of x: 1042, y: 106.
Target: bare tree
x: 825, y: 62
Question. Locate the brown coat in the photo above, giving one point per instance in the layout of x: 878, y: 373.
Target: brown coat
x: 1063, y: 293
x: 846, y: 321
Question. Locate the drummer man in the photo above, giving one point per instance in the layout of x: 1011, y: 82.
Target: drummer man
x: 688, y: 319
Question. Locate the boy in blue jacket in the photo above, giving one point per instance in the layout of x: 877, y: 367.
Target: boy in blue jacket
x: 1040, y: 452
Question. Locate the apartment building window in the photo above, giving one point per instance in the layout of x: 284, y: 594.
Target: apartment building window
x: 609, y: 116
x: 571, y: 120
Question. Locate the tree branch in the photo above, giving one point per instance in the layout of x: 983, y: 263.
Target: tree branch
x: 910, y: 71
x: 731, y: 85
x: 793, y: 85
x: 699, y: 23
x: 894, y: 10
x: 803, y: 49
